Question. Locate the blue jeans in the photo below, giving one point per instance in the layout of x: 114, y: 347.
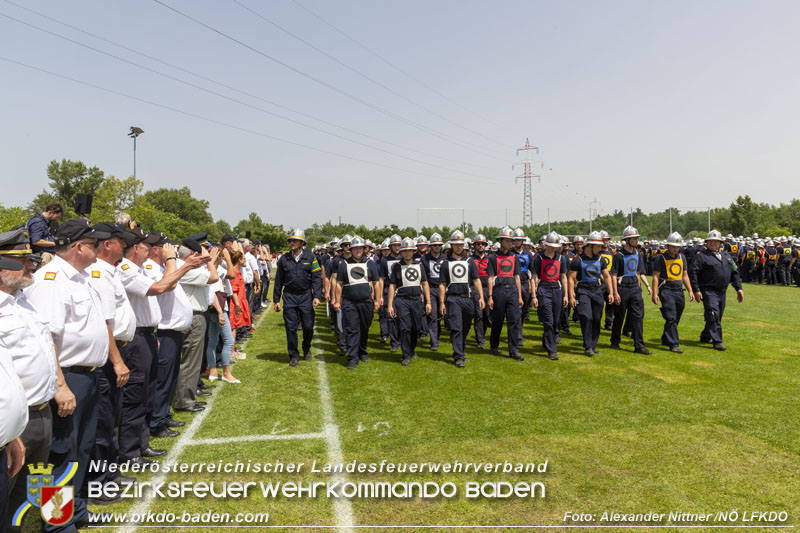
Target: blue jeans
x: 214, y: 333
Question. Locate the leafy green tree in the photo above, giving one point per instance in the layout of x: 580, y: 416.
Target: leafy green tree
x: 12, y: 216
x: 67, y: 179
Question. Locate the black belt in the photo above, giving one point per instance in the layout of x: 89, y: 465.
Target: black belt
x: 408, y: 297
x: 39, y: 407
x: 505, y: 286
x: 589, y: 284
x: 197, y: 313
x: 461, y: 295
x: 303, y: 291
x: 146, y: 329
x: 356, y: 301
x: 549, y: 285
x: 628, y: 284
x: 79, y: 369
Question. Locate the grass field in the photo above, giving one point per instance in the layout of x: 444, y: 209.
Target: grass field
x: 700, y: 432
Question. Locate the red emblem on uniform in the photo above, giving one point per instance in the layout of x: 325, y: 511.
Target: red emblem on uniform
x: 505, y: 266
x: 550, y: 270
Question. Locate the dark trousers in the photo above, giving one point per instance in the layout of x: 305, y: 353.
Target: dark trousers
x: 391, y: 325
x: 483, y: 317
x: 527, y: 298
x: 169, y: 356
x: 356, y: 320
x: 73, y: 440
x: 747, y: 271
x: 632, y: 305
x: 506, y: 308
x: 410, y: 319
x: 589, y: 312
x: 264, y: 296
x: 432, y: 325
x: 298, y: 310
x: 4, y: 484
x: 460, y: 311
x: 713, y: 309
x: 672, y: 304
x: 610, y: 308
x: 248, y: 289
x: 109, y: 409
x: 37, y: 437
x: 138, y: 394
x: 564, y: 324
x: 772, y: 278
x: 551, y: 302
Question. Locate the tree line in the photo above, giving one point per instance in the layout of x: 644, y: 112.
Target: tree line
x: 177, y: 213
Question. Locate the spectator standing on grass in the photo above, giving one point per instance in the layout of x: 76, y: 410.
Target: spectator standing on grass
x: 219, y: 327
x: 239, y: 311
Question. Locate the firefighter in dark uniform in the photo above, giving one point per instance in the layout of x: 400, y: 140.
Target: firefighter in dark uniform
x: 748, y: 261
x: 455, y: 302
x: 298, y: 278
x: 356, y: 282
x: 385, y: 270
x: 432, y: 261
x: 793, y: 265
x: 569, y: 254
x: 525, y: 258
x: 505, y: 295
x: 630, y: 272
x: 483, y: 317
x: 670, y: 274
x: 549, y: 271
x: 409, y: 280
x: 710, y: 274
x: 784, y: 260
x: 607, y: 253
x: 771, y: 263
x: 585, y: 274
x: 344, y: 254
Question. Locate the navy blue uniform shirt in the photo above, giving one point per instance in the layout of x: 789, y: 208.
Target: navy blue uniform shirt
x: 708, y: 272
x: 297, y: 276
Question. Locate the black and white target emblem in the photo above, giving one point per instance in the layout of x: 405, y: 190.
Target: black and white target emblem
x: 357, y: 273
x: 411, y: 275
x: 458, y: 272
x: 436, y: 268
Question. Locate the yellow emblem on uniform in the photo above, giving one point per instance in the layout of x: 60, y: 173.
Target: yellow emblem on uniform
x: 148, y: 267
x: 125, y: 266
x: 50, y: 275
x: 674, y: 269
x: 95, y: 273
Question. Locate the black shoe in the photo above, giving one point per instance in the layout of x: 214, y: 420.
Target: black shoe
x: 676, y: 349
x: 516, y: 357
x: 643, y: 351
x: 124, y: 480
x: 141, y: 461
x: 481, y: 345
x: 342, y: 351
x: 199, y: 403
x: 383, y: 340
x: 307, y: 356
x: 595, y: 351
x: 394, y: 348
x: 192, y: 409
x: 588, y: 353
x: 202, y: 393
x: 459, y: 363
x: 494, y: 351
x: 165, y: 433
x: 293, y: 361
x: 352, y: 365
x: 706, y: 341
x: 203, y: 386
x: 152, y: 452
x: 364, y: 358
x: 567, y: 332
x: 553, y: 356
x: 103, y: 500
x: 406, y: 362
x: 615, y: 347
x: 434, y: 348
x: 720, y: 347
x: 175, y: 423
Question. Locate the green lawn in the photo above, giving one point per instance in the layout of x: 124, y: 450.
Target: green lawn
x: 699, y: 432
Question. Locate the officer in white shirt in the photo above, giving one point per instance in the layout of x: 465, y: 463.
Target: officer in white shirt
x: 192, y: 354
x: 112, y: 376
x: 27, y: 338
x: 13, y: 397
x: 250, y: 273
x: 64, y: 298
x: 176, y: 318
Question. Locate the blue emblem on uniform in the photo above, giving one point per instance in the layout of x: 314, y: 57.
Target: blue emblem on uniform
x: 590, y: 269
x: 41, y: 475
x: 523, y: 262
x: 631, y: 264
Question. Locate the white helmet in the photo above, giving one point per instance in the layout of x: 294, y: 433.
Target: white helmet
x: 528, y: 241
x: 408, y: 244
x: 594, y: 237
x: 384, y: 245
x: 356, y: 242
x: 675, y: 239
x: 480, y: 237
x: 629, y: 232
x: 714, y: 235
x: 346, y: 239
x: 553, y: 240
x: 395, y: 239
x: 755, y: 236
x: 578, y: 239
x: 604, y: 235
x: 495, y: 246
x: 369, y: 244
x: 505, y: 233
x: 435, y: 239
x: 519, y: 234
x: 457, y: 237
x: 770, y: 243
x: 421, y: 240
x: 298, y: 235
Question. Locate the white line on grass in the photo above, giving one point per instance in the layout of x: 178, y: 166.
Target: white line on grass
x: 341, y: 506
x: 174, y: 454
x: 243, y: 438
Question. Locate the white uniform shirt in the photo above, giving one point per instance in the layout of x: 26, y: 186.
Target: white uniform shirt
x: 146, y: 309
x: 71, y: 306
x: 249, y: 267
x: 176, y: 311
x: 194, y: 285
x: 105, y: 278
x: 27, y: 338
x: 13, y: 402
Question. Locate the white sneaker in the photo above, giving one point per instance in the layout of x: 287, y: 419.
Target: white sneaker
x: 226, y: 380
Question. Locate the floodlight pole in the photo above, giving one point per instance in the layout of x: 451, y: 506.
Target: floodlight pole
x: 135, y: 132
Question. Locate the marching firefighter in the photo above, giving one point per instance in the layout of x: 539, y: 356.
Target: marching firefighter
x: 549, y: 271
x: 505, y: 295
x: 483, y: 317
x: 432, y: 261
x: 586, y: 274
x: 409, y: 280
x: 669, y: 276
x: 386, y: 268
x: 630, y: 273
x: 607, y: 254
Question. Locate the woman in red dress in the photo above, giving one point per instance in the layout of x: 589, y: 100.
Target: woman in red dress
x: 240, y: 311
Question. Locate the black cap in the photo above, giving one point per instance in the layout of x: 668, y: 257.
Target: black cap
x: 163, y: 239
x: 15, y: 242
x: 116, y: 230
x: 9, y: 264
x: 142, y: 237
x: 74, y: 230
x: 227, y: 238
x: 201, y: 238
x: 192, y: 245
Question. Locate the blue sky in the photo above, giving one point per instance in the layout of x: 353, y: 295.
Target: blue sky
x: 639, y: 104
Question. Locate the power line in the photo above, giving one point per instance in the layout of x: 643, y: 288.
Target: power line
x: 240, y: 91
x: 365, y: 76
x: 229, y: 125
x: 332, y: 87
x: 395, y: 67
x: 239, y: 101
